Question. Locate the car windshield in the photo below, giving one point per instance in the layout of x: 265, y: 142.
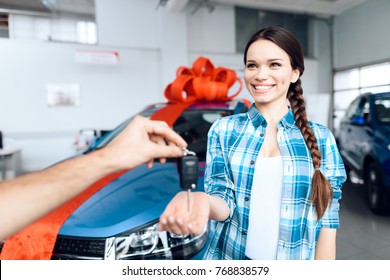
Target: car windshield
x: 192, y: 125
x: 107, y: 138
x: 382, y: 110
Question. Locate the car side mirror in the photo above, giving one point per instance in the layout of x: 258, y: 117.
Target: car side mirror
x: 358, y: 120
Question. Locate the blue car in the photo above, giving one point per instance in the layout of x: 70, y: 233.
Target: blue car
x: 121, y: 220
x: 364, y: 143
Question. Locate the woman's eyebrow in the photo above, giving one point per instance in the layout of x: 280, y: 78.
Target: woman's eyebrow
x: 275, y: 59
x: 268, y: 60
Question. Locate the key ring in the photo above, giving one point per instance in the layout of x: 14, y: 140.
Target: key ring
x: 188, y: 152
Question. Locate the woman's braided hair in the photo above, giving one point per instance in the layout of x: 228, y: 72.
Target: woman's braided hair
x: 322, y: 192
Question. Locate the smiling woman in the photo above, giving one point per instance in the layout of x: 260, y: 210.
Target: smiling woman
x: 268, y: 73
x: 305, y: 179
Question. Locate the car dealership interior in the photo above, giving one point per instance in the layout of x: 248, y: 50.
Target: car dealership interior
x: 75, y: 72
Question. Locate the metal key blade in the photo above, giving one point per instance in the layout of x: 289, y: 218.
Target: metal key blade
x: 188, y: 199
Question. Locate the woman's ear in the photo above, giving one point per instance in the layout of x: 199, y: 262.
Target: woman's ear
x: 295, y: 76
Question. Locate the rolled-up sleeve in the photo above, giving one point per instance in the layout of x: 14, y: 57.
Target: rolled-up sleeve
x: 217, y: 178
x: 336, y: 175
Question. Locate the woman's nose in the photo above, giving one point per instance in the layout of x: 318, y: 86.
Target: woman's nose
x: 262, y: 73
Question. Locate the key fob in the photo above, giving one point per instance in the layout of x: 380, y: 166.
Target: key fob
x: 187, y: 167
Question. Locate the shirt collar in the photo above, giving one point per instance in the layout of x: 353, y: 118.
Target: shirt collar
x: 256, y: 118
x: 288, y: 121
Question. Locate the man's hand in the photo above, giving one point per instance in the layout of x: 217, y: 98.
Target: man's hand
x: 142, y: 141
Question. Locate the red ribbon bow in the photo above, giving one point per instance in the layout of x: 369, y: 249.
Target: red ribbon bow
x: 202, y: 82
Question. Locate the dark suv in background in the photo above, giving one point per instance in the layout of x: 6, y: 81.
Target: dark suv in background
x: 364, y: 142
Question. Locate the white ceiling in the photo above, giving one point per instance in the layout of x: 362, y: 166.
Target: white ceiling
x: 317, y: 7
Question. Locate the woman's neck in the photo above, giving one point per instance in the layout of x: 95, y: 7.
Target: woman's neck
x: 272, y: 113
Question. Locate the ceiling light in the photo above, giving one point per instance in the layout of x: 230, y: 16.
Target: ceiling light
x: 205, y: 3
x: 162, y: 3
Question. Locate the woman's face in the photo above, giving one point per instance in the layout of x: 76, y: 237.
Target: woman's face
x: 268, y: 73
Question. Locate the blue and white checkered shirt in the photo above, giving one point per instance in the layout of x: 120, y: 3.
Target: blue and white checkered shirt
x: 233, y: 146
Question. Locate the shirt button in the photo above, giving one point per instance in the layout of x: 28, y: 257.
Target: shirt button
x: 246, y: 198
x: 261, y: 134
x: 252, y: 161
x: 243, y: 232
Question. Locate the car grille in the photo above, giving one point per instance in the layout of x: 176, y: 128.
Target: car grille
x: 77, y: 249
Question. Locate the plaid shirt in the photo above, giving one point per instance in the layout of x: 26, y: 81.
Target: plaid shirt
x: 233, y: 146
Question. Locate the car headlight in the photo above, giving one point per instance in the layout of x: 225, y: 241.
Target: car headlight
x: 150, y: 243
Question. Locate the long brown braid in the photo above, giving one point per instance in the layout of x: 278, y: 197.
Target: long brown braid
x: 322, y: 192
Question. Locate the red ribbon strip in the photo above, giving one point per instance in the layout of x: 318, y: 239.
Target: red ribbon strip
x: 36, y: 241
x: 202, y: 82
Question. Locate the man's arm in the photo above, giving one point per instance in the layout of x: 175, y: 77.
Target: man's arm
x: 29, y: 197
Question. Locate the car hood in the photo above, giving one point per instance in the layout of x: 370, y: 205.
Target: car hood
x: 134, y: 199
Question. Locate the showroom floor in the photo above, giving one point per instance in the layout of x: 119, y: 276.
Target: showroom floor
x: 362, y: 235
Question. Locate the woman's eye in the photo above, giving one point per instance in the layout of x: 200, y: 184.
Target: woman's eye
x: 275, y: 64
x: 250, y: 65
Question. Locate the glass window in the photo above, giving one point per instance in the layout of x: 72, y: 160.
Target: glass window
x: 375, y: 75
x: 4, y: 26
x: 248, y: 21
x: 382, y: 110
x: 376, y: 89
x: 362, y: 115
x: 346, y: 79
x: 86, y: 32
x: 342, y: 99
x: 354, y: 108
x: 194, y: 125
x: 349, y: 84
x: 246, y: 26
x: 59, y: 29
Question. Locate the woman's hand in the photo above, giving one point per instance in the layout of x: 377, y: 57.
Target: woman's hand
x: 181, y: 219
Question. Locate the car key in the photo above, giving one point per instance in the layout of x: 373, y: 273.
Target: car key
x: 187, y: 166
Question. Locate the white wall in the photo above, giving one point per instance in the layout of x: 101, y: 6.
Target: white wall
x: 362, y: 35
x: 128, y: 23
x: 152, y: 43
x: 212, y: 32
x: 109, y: 94
x: 138, y: 24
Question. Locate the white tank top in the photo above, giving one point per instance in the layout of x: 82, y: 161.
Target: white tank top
x: 264, y: 211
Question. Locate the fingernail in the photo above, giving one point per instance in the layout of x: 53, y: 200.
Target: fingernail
x: 171, y: 219
x: 189, y: 226
x: 163, y: 221
x: 179, y: 221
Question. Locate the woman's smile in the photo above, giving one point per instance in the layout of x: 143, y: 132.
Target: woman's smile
x: 263, y: 88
